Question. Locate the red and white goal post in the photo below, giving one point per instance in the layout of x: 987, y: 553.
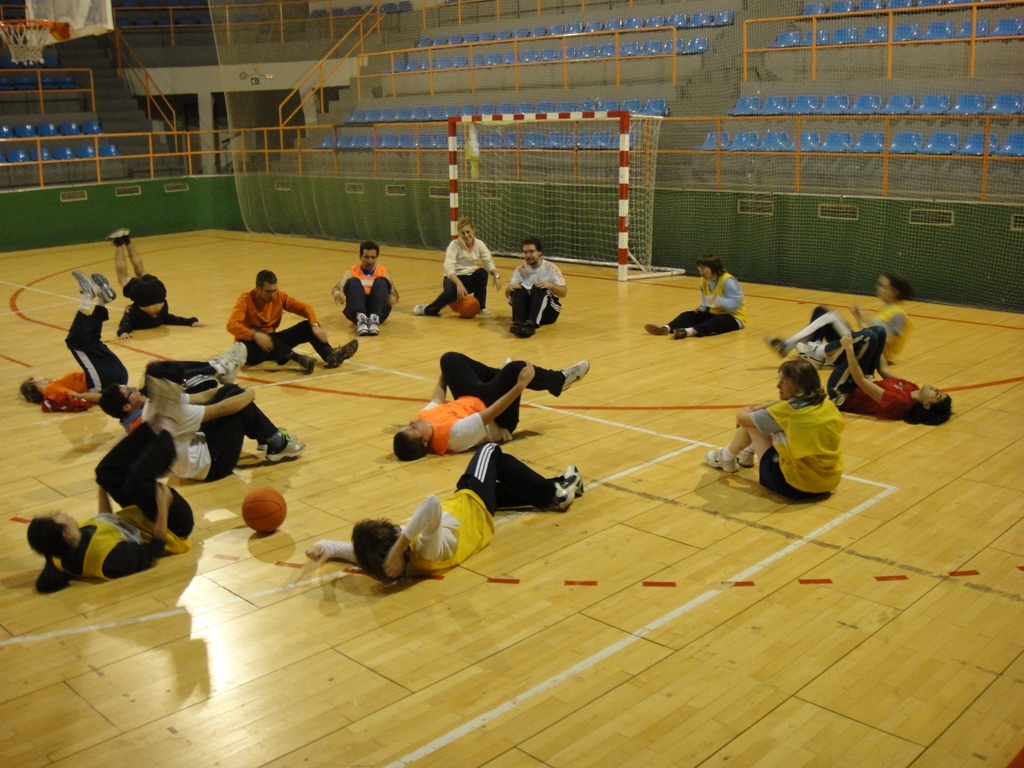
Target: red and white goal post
x: 581, y: 181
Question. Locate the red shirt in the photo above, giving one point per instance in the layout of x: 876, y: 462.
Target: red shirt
x: 896, y: 400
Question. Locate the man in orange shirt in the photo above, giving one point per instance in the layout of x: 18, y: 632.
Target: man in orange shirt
x: 80, y: 390
x: 255, y: 319
x: 367, y: 291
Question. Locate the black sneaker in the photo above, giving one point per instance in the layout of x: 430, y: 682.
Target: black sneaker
x: 516, y: 329
x: 778, y: 345
x: 340, y: 354
x: 306, y: 363
x: 527, y: 331
x: 103, y: 289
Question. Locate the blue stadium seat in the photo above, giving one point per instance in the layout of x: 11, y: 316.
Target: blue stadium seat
x: 927, y: 3
x: 609, y: 105
x: 700, y: 19
x: 604, y: 140
x: 747, y: 105
x: 652, y: 48
x: 869, y: 143
x: 564, y: 106
x: 471, y: 37
x: 942, y: 143
x: 634, y: 23
x: 372, y: 115
x: 845, y: 36
x: 557, y: 30
x: 575, y: 28
x: 528, y: 56
x: 66, y: 82
x: 400, y: 66
x: 18, y: 156
x: 362, y: 141
x: 327, y: 142
x: 655, y: 21
x: 505, y: 108
x: 551, y: 54
x: 866, y: 104
x: 588, y: 105
x: 656, y: 108
x: 906, y: 143
x: 814, y: 9
x: 1008, y: 28
x: 403, y: 114
x: 503, y: 34
x: 593, y: 26
x: 724, y: 19
x: 587, y: 52
x: 940, y: 30
x: 775, y: 141
x: 520, y: 32
x: 419, y: 114
x: 539, y: 32
x: 493, y: 59
x: 407, y: 141
x: 898, y: 104
x: 533, y: 140
x: 1014, y: 146
x: 981, y: 30
x: 933, y: 104
x: 469, y: 109
x: 841, y: 6
x: 441, y: 62
x: 343, y: 141
x: 606, y: 51
x: 82, y: 153
x: 109, y: 150
x: 776, y: 105
x: 974, y: 144
x: 805, y: 104
x: 786, y: 39
x: 871, y: 5
x: 613, y: 24
x: 524, y: 108
x: 47, y: 129
x: 63, y: 153
x: 745, y: 141
x: 697, y: 46
x: 810, y: 141
x: 821, y: 39
x: 488, y: 109
x: 876, y: 34
x: 460, y: 61
x: 34, y: 154
x: 1007, y: 104
x: 837, y: 141
x: 835, y: 104
x: 25, y: 131
x: 387, y: 115
x: 6, y: 132
x: 677, y: 20
x: 542, y: 107
x: 895, y: 5
x: 630, y: 48
x: 633, y: 106
x: 711, y: 142
x: 487, y: 36
x: 559, y: 140
x: 387, y: 141
x: 905, y: 32
x: 70, y: 129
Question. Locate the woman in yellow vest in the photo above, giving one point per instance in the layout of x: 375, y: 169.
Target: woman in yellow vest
x: 826, y: 325
x: 797, y: 437
x: 442, y: 534
x: 106, y: 546
x: 720, y: 310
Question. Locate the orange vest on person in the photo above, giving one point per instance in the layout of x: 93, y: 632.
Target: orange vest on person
x: 443, y: 417
x: 367, y: 280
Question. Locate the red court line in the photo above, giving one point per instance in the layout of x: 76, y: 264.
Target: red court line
x: 573, y: 583
x: 815, y: 581
x: 16, y: 362
x: 1018, y: 761
x: 897, y: 577
x: 737, y: 583
x: 285, y: 564
x: 659, y: 583
x: 503, y: 581
x: 963, y: 573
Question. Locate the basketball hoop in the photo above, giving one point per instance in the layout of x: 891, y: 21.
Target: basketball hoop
x: 26, y: 38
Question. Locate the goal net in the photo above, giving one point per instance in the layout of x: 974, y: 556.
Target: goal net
x: 582, y: 181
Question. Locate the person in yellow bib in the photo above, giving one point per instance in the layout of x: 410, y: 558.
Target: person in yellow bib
x: 107, y: 545
x: 442, y: 534
x: 797, y: 437
x: 721, y: 305
x: 367, y: 291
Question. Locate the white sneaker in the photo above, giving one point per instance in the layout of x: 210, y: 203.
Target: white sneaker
x: 566, y: 491
x: 574, y: 373
x: 362, y: 325
x: 373, y: 327
x: 230, y: 363
x: 86, y: 286
x: 571, y: 471
x: 419, y: 309
x: 813, y: 352
x: 746, y: 458
x: 485, y: 312
x: 294, y: 447
x: 118, y: 233
x: 717, y: 461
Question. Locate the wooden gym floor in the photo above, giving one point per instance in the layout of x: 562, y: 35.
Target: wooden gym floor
x: 675, y: 616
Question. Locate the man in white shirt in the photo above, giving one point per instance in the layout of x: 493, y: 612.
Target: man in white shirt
x: 535, y: 291
x: 442, y: 534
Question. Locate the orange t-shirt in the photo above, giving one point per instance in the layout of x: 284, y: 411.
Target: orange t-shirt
x: 443, y: 417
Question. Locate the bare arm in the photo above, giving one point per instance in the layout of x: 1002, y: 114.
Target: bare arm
x: 557, y: 290
x: 495, y: 409
x: 163, y: 505
x: 202, y: 398
x: 103, y: 502
x: 229, y: 406
x: 394, y: 563
x: 440, y: 393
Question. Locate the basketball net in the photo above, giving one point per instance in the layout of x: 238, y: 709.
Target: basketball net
x: 26, y: 38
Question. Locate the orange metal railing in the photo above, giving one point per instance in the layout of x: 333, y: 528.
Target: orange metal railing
x: 130, y: 65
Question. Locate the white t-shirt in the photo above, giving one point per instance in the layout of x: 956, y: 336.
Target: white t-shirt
x: 193, y: 454
x: 528, y: 277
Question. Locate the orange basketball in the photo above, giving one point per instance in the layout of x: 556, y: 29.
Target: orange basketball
x: 467, y: 306
x: 264, y: 510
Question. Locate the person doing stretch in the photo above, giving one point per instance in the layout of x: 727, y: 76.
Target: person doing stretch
x: 442, y: 534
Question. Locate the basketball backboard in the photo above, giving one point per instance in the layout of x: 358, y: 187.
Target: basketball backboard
x: 84, y: 17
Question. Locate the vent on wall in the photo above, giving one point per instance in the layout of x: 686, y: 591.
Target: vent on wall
x: 176, y: 186
x: 74, y: 196
x: 931, y: 217
x: 834, y: 211
x: 395, y: 190
x: 133, y: 191
x: 756, y: 207
x: 283, y: 186
x: 1017, y: 222
x: 439, y: 191
x: 353, y: 189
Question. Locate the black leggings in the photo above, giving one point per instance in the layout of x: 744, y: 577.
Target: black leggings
x: 504, y: 482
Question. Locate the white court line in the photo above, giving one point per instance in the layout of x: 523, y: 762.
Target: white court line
x: 605, y: 653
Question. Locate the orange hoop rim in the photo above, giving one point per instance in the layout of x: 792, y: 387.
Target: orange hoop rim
x: 59, y: 30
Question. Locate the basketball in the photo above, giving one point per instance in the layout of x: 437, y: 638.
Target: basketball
x: 467, y: 306
x: 264, y: 510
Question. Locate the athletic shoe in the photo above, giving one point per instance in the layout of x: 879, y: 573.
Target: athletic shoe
x: 657, y: 330
x: 85, y: 285
x: 717, y: 461
x: 574, y: 373
x: 813, y: 352
x: 571, y: 471
x: 516, y: 329
x: 362, y: 325
x: 294, y: 447
x: 103, y: 285
x: 778, y: 345
x: 229, y: 363
x: 745, y: 458
x: 306, y: 363
x: 341, y: 354
x: 373, y: 329
x: 680, y: 333
x: 527, y: 331
x: 484, y: 312
x: 419, y: 309
x: 566, y: 490
x: 117, y: 234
